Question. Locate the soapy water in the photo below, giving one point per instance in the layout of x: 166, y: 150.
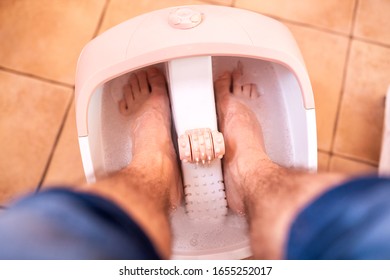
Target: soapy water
x: 117, y: 145
x: 199, y: 238
x: 270, y: 107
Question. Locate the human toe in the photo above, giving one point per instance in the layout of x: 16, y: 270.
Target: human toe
x: 156, y: 79
x: 133, y: 82
x: 143, y: 82
x: 222, y: 85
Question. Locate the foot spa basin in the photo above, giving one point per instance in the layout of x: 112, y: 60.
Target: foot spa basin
x: 193, y: 46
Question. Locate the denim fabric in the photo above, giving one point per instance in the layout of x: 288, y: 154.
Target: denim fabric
x: 351, y: 221
x: 62, y: 224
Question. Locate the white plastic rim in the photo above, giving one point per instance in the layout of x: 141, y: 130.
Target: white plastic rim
x: 87, y: 159
x: 228, y: 239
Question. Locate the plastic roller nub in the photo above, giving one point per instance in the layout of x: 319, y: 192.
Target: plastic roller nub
x: 201, y: 146
x: 185, y: 148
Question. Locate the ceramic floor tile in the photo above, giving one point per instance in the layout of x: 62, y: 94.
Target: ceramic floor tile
x: 347, y: 166
x: 334, y: 15
x: 373, y: 21
x: 323, y: 161
x: 325, y: 56
x: 359, y: 131
x: 66, y: 166
x: 31, y: 113
x: 122, y: 10
x: 45, y: 37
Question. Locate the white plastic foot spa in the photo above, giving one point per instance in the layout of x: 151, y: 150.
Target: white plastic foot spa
x: 194, y: 45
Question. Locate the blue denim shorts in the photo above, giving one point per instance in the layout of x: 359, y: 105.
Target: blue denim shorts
x: 63, y: 224
x: 351, y: 221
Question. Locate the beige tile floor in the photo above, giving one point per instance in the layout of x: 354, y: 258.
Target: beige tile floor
x: 346, y: 46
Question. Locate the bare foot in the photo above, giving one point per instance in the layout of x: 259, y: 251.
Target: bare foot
x: 269, y: 194
x: 145, y: 102
x: 243, y: 137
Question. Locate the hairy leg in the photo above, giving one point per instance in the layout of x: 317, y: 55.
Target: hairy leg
x: 151, y: 184
x: 270, y: 195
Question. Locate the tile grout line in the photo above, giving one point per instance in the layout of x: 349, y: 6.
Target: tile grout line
x: 354, y: 159
x: 323, y: 151
x: 344, y: 80
x: 328, y: 163
x: 331, y: 154
x: 102, y: 16
x: 326, y: 30
x: 368, y: 41
x: 60, y: 130
x: 355, y: 9
x: 54, y: 81
x: 32, y: 76
x: 57, y: 139
x: 323, y: 29
x: 307, y: 25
